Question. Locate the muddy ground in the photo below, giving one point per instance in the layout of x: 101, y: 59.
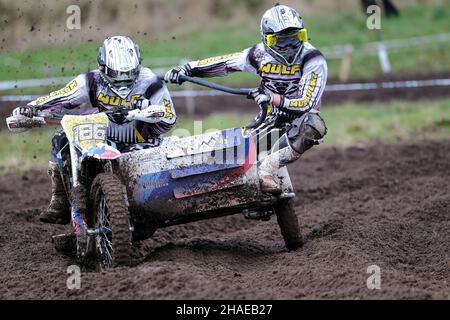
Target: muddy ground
x: 385, y: 205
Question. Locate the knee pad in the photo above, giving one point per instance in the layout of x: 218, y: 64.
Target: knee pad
x: 311, y: 133
x: 315, y: 128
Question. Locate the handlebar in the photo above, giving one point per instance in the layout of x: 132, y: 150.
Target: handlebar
x: 242, y: 92
x: 51, y: 117
x: 259, y: 120
x: 20, y: 124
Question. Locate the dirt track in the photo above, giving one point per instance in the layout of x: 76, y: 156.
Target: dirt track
x: 386, y: 205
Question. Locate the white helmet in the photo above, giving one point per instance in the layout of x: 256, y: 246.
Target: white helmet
x: 283, y: 33
x: 119, y: 61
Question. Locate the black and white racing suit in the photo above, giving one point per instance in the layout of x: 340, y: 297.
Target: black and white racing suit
x: 92, y: 88
x: 298, y: 88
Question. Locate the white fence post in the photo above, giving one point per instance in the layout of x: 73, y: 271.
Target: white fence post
x: 346, y: 63
x: 384, y: 58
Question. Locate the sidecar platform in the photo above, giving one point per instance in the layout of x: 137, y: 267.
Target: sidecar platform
x: 214, y: 172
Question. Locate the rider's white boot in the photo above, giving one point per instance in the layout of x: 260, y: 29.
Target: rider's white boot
x: 268, y: 169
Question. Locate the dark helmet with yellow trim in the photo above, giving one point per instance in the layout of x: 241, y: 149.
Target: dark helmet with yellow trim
x: 119, y: 61
x: 283, y: 33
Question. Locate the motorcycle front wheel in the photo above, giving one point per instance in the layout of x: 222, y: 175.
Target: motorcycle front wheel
x: 113, y: 244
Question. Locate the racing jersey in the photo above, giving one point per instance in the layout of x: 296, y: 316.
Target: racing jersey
x: 300, y: 84
x: 92, y: 88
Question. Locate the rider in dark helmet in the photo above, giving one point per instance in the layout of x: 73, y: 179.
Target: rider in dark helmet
x: 119, y: 82
x: 293, y: 77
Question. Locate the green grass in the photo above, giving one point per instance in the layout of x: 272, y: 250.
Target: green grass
x: 26, y: 150
x: 347, y: 125
x: 324, y: 30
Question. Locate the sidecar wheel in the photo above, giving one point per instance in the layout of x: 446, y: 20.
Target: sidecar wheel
x: 288, y: 222
x: 111, y: 216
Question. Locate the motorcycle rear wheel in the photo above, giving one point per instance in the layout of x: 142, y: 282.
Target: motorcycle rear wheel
x: 288, y: 222
x: 109, y: 207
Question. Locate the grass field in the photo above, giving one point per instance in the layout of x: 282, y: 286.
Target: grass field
x: 347, y: 125
x: 324, y: 30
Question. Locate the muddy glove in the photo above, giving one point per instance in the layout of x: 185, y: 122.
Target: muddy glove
x: 173, y: 75
x: 260, y: 96
x: 151, y: 114
x: 26, y: 111
x: 140, y: 104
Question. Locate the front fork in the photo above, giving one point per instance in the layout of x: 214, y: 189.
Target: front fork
x: 78, y: 218
x: 85, y: 237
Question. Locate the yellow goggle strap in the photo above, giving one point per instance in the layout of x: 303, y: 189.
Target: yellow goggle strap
x: 271, y: 40
x: 302, y: 35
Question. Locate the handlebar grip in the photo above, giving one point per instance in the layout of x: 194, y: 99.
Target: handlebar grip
x: 261, y: 117
x: 19, y: 124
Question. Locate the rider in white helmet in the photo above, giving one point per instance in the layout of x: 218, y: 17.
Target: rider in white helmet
x: 119, y: 82
x: 293, y: 77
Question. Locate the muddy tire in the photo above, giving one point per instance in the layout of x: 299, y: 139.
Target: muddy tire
x: 287, y: 220
x: 110, y: 210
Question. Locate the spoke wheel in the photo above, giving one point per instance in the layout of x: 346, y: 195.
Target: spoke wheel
x: 111, y: 220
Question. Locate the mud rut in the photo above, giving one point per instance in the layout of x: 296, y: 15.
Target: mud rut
x: 387, y: 205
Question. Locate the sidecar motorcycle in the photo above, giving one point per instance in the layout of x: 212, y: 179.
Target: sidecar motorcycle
x: 118, y: 198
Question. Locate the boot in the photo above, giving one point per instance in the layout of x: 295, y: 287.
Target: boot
x: 58, y: 212
x: 268, y: 169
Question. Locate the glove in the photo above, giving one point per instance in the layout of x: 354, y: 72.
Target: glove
x: 26, y: 111
x: 140, y: 104
x: 260, y: 96
x: 173, y: 75
x: 151, y: 114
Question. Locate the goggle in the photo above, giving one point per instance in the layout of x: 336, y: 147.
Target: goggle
x: 117, y: 76
x: 273, y: 40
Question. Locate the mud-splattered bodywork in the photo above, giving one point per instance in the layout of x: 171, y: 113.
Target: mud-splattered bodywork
x: 194, y: 178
